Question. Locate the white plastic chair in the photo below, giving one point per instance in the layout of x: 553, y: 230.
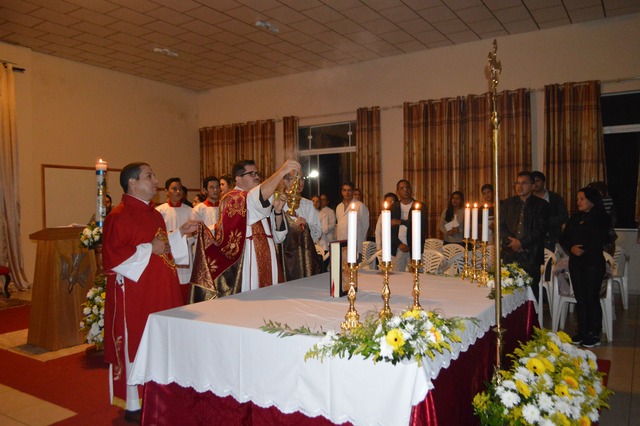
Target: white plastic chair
x: 546, y: 283
x: 432, y: 260
x: 561, y: 301
x: 433, y: 244
x: 369, y: 255
x: 621, y: 274
x: 455, y: 265
x: 450, y: 250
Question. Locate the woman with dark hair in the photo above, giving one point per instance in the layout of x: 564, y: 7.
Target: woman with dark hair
x: 227, y: 183
x: 452, y: 219
x: 584, y: 237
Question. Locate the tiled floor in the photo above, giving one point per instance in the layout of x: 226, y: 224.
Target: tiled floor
x: 18, y: 408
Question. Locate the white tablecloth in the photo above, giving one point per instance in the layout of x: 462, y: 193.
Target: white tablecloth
x: 217, y: 346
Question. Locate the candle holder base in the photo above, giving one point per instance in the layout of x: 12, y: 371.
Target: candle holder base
x: 416, y: 265
x: 352, y: 318
x: 385, y: 312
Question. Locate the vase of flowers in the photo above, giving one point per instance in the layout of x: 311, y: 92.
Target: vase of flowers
x: 93, y: 312
x: 551, y: 382
x: 512, y: 277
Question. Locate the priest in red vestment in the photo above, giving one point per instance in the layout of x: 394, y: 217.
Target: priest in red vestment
x: 138, y: 256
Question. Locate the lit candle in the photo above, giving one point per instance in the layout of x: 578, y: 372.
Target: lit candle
x: 474, y: 222
x: 352, y: 234
x: 386, y: 234
x: 485, y: 223
x: 467, y: 220
x: 101, y: 191
x: 416, y: 233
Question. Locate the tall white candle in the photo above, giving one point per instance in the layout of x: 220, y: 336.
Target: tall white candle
x: 485, y: 223
x: 101, y: 191
x: 386, y: 234
x: 474, y: 222
x: 352, y: 234
x: 416, y: 233
x: 467, y: 220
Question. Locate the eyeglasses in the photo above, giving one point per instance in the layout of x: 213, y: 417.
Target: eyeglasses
x: 251, y: 173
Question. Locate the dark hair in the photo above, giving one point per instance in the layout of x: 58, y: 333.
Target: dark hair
x: 600, y: 186
x: 350, y: 184
x: 486, y: 186
x: 527, y: 174
x: 130, y: 171
x: 228, y: 178
x: 594, y: 196
x: 238, y: 168
x: 205, y: 182
x: 169, y: 181
x: 392, y: 195
x: 403, y: 180
x: 108, y: 196
x: 538, y: 175
x: 448, y: 216
x: 201, y: 197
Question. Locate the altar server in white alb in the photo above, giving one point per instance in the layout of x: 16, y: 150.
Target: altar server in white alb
x: 176, y: 213
x: 208, y: 211
x: 348, y: 204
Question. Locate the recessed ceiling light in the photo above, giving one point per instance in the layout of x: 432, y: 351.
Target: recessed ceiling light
x: 267, y: 26
x: 165, y: 51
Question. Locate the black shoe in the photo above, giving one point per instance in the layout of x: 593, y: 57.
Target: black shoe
x: 133, y: 416
x: 591, y: 342
x: 577, y: 339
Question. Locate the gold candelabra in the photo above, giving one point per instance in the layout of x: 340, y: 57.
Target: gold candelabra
x: 483, y: 277
x: 475, y: 274
x: 385, y: 312
x: 352, y: 318
x: 466, y: 271
x: 416, y: 265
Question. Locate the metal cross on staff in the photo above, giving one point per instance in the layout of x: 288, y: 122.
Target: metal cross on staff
x: 496, y: 68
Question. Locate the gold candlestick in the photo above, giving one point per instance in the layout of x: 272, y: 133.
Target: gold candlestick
x: 474, y: 270
x: 351, y: 319
x: 385, y: 312
x: 416, y: 265
x: 483, y: 278
x: 466, y: 271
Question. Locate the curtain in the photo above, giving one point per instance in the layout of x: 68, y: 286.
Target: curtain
x: 222, y: 146
x: 432, y: 131
x: 10, y: 245
x: 368, y: 161
x: 290, y: 126
x: 574, y: 143
x: 448, y: 147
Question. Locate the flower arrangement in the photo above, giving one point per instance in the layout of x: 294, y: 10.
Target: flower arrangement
x: 91, y: 236
x: 413, y: 335
x: 551, y: 382
x: 512, y: 277
x: 93, y: 311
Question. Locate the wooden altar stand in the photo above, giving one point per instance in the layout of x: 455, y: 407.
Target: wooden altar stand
x: 64, y: 273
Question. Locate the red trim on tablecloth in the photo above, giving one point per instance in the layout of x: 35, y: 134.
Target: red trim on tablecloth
x: 448, y: 403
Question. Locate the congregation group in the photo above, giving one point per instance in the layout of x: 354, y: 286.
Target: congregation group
x: 240, y: 233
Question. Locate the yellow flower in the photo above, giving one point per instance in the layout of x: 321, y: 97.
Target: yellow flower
x: 592, y: 365
x: 395, y: 339
x: 535, y: 366
x: 562, y: 390
x: 591, y: 391
x: 103, y: 295
x: 584, y: 421
x: 436, y: 333
x: 413, y: 313
x: 553, y: 348
x: 566, y: 371
x: 547, y: 364
x: 561, y: 419
x: 564, y: 337
x: 523, y: 388
x: 573, y: 383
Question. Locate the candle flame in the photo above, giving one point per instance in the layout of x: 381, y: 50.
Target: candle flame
x: 475, y: 205
x: 417, y: 206
x: 486, y: 205
x: 353, y: 206
x: 386, y: 206
x: 468, y: 205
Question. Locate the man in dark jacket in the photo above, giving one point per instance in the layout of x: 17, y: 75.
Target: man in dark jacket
x: 558, y: 214
x: 524, y: 222
x: 401, y: 225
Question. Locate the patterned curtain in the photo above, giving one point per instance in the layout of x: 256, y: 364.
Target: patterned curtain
x: 290, y: 126
x: 10, y: 246
x: 222, y: 146
x: 574, y: 143
x: 448, y: 147
x: 432, y: 132
x: 368, y: 161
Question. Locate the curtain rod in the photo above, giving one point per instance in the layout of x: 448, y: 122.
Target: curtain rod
x: 16, y: 69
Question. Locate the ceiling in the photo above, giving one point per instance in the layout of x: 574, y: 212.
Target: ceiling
x: 205, y: 44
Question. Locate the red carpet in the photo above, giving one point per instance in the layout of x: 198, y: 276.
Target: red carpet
x: 77, y: 382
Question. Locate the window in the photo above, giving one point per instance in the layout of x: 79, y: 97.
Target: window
x: 330, y: 150
x: 621, y: 127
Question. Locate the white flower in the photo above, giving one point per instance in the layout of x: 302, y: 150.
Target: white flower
x: 531, y: 413
x: 386, y: 350
x: 86, y: 311
x: 101, y: 322
x: 545, y: 402
x: 510, y: 399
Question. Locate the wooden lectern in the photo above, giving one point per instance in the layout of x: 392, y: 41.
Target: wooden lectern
x: 63, y: 276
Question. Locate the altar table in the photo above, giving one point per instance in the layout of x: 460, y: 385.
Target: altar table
x: 211, y: 358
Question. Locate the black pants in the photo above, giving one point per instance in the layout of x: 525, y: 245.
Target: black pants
x: 587, y: 281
